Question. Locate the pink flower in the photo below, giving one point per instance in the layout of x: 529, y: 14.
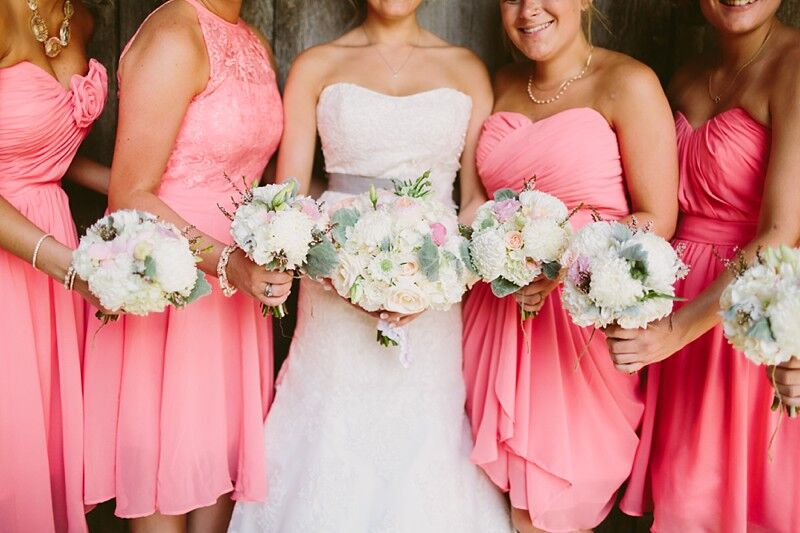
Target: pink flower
x: 438, y: 233
x: 89, y: 94
x: 309, y: 208
x: 580, y: 274
x: 505, y: 209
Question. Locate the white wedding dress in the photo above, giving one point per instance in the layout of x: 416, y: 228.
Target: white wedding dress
x: 355, y: 442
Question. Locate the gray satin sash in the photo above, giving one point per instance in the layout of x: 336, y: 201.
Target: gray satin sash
x: 352, y: 184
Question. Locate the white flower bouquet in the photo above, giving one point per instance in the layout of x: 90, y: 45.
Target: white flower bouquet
x: 400, y: 252
x: 283, y: 231
x: 761, y: 308
x: 517, y: 237
x: 138, y: 264
x: 620, y: 274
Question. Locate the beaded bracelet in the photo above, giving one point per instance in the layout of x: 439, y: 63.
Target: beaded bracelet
x: 69, y: 277
x: 36, y: 249
x: 222, y: 274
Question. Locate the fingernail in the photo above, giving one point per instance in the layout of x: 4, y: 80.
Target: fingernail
x: 384, y: 316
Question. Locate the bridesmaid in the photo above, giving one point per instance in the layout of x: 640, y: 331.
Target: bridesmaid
x: 554, y: 423
x: 48, y: 103
x: 705, y: 455
x: 175, y: 402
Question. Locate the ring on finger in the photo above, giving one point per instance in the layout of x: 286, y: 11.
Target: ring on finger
x: 268, y: 290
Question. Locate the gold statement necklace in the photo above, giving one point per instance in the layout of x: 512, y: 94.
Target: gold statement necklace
x: 52, y: 44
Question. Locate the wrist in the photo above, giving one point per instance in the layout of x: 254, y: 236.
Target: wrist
x: 54, y: 259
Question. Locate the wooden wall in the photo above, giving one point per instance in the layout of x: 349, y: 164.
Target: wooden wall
x: 651, y: 30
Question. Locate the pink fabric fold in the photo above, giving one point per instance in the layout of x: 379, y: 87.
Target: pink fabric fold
x: 41, y: 324
x: 703, y: 463
x: 554, y: 422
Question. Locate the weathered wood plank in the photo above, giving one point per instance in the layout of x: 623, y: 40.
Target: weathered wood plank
x: 640, y: 28
x: 261, y: 14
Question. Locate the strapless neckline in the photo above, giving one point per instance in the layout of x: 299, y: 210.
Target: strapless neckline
x: 92, y: 65
x: 528, y: 120
x: 419, y: 94
x: 719, y: 116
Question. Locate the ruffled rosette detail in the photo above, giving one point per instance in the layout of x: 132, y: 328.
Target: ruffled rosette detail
x: 89, y: 94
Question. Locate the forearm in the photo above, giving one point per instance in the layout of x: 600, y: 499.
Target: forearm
x: 703, y: 312
x: 89, y: 174
x: 148, y: 201
x: 19, y: 236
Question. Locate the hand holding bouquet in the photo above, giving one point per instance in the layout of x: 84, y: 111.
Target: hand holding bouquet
x: 282, y: 231
x: 761, y: 309
x: 399, y: 252
x: 135, y: 263
x: 620, y: 274
x: 517, y: 237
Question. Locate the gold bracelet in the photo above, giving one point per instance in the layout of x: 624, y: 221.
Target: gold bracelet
x: 222, y: 274
x: 36, y: 249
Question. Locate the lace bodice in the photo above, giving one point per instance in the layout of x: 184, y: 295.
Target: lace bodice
x: 233, y: 126
x: 367, y: 133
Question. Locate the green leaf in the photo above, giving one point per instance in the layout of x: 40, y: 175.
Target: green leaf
x: 322, y: 259
x: 505, y: 194
x: 621, y: 232
x: 761, y: 330
x: 386, y: 245
x: 341, y: 220
x: 465, y: 231
x: 466, y: 258
x: 149, y: 267
x: 428, y: 256
x: 501, y: 287
x: 551, y: 269
x: 201, y: 288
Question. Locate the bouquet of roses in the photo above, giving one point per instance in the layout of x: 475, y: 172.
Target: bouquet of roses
x: 138, y: 264
x: 761, y: 308
x: 620, y: 274
x: 281, y: 230
x: 400, y: 252
x: 517, y: 237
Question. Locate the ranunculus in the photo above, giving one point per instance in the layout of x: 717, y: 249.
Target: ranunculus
x: 89, y: 94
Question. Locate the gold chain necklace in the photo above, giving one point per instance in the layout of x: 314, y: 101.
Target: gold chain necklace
x: 394, y: 71
x: 564, y: 84
x: 717, y: 98
x: 52, y: 45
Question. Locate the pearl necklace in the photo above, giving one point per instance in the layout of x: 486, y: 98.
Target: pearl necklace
x: 564, y: 85
x: 52, y: 45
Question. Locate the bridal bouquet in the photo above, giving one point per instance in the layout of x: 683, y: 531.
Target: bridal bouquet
x: 138, y: 264
x: 620, y: 274
x: 517, y: 237
x: 400, y: 252
x: 281, y: 230
x: 761, y: 308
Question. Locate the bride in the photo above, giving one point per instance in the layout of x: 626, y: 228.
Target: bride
x: 355, y: 442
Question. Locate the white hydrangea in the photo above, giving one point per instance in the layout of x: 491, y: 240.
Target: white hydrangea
x: 488, y: 251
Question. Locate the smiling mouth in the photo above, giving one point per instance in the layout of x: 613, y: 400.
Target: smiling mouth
x: 737, y: 3
x: 536, y: 29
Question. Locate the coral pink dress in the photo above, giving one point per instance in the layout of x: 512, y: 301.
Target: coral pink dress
x: 555, y: 431
x: 41, y: 324
x: 175, y: 402
x: 704, y: 460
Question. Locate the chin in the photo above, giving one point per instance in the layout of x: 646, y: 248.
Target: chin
x: 393, y: 9
x: 738, y: 16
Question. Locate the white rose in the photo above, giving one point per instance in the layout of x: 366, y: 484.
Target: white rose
x: 406, y: 298
x: 350, y: 267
